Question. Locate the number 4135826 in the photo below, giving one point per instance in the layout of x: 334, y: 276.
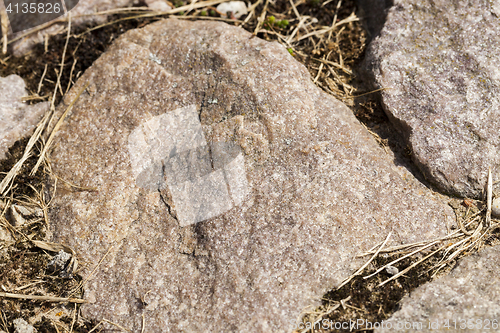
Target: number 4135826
x: 484, y: 324
x: 34, y: 8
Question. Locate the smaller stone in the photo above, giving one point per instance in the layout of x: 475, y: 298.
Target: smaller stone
x: 5, y: 237
x: 237, y: 8
x: 158, y: 5
x: 14, y: 217
x: 21, y: 326
x: 59, y: 264
x: 17, y: 118
x: 495, y: 207
x: 391, y: 270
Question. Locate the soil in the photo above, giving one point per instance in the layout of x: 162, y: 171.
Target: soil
x: 21, y: 262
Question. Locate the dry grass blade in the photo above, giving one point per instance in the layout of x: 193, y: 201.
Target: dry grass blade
x: 5, y: 224
x: 317, y: 315
x: 5, y: 27
x: 368, y: 93
x: 399, y: 259
x: 55, y: 247
x: 251, y: 11
x: 319, y: 72
x: 41, y: 80
x: 42, y: 298
x: 411, y: 266
x: 334, y: 64
x: 339, y: 3
x: 391, y: 249
x: 111, y: 323
x: 489, y: 198
x: 28, y: 285
x: 9, y: 178
x: 366, y: 264
x: 4, y: 323
x: 90, y: 189
x: 260, y: 20
x: 351, y: 18
x: 209, y: 18
x: 82, y: 284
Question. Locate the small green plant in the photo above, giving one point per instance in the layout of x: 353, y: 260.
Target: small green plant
x: 203, y: 13
x: 290, y: 50
x: 272, y: 22
x: 282, y: 24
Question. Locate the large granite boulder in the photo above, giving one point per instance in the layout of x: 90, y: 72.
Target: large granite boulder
x: 17, y: 118
x: 465, y: 300
x: 439, y: 63
x: 230, y: 191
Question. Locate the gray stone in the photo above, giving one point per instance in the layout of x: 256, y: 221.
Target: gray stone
x: 468, y: 299
x: 59, y: 263
x: 17, y: 118
x: 495, y: 207
x: 159, y: 5
x: 21, y: 326
x: 231, y: 192
x: 439, y: 63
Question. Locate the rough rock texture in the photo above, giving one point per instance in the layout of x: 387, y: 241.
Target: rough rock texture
x: 177, y: 105
x: 469, y: 297
x: 439, y: 61
x: 17, y: 119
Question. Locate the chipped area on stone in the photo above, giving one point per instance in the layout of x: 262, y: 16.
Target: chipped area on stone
x: 172, y: 148
x: 308, y: 187
x: 470, y: 293
x: 439, y: 61
x: 17, y: 118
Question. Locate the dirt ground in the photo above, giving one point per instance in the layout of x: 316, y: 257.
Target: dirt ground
x: 333, y: 59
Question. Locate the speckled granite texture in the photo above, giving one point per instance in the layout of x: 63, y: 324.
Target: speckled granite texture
x: 438, y: 61
x: 318, y: 188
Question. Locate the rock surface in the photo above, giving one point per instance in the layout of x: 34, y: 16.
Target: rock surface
x: 17, y: 118
x: 468, y: 297
x: 438, y: 61
x: 177, y: 105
